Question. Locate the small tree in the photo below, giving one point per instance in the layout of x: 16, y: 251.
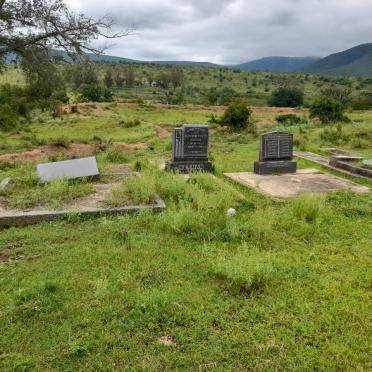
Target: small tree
x: 130, y: 78
x: 287, y: 97
x: 327, y: 110
x: 119, y: 79
x: 343, y: 95
x: 236, y: 115
x: 176, y: 76
x: 109, y: 80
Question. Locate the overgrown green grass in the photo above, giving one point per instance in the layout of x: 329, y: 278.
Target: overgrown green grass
x: 280, y: 286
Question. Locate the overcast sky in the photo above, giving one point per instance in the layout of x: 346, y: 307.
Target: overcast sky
x: 233, y: 31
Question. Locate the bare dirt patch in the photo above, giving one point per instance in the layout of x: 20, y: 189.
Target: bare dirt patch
x: 276, y: 110
x: 72, y: 151
x: 162, y: 132
x: 75, y: 149
x: 86, y: 108
x: 130, y: 146
x: 167, y: 341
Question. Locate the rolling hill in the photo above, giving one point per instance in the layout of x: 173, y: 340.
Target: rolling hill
x: 356, y: 61
x: 277, y: 64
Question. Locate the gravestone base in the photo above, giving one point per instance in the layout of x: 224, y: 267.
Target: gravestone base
x: 275, y: 167
x: 305, y: 181
x: 188, y: 166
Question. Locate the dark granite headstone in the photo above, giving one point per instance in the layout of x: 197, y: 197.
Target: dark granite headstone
x: 190, y: 150
x: 276, y: 154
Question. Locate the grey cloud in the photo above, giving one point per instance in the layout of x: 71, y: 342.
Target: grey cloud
x: 234, y: 31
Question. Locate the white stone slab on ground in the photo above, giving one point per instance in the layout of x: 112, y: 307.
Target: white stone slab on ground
x: 305, y: 181
x: 68, y: 169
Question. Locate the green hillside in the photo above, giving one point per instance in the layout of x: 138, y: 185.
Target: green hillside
x: 356, y: 61
x: 278, y: 64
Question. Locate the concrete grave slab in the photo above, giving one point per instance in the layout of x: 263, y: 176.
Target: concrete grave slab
x: 68, y: 169
x: 305, y: 181
x: 91, y: 205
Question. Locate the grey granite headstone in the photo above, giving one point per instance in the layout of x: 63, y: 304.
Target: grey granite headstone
x: 276, y: 154
x: 68, y: 169
x: 190, y: 150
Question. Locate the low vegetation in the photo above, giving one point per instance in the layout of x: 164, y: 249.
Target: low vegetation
x: 279, y: 286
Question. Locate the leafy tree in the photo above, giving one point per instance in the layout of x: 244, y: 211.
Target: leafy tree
x: 43, y: 79
x: 287, y: 97
x: 129, y: 76
x: 163, y: 80
x: 46, y: 25
x: 343, y: 95
x: 327, y: 110
x: 236, y: 115
x: 119, y: 79
x: 83, y: 73
x: 108, y: 79
x: 176, y: 76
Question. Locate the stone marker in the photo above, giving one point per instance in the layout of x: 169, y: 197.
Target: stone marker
x: 190, y: 150
x: 69, y: 169
x: 5, y: 183
x: 276, y: 154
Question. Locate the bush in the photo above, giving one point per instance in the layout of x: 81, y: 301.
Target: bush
x: 334, y: 135
x: 8, y: 119
x: 287, y: 97
x: 15, y: 97
x: 237, y: 115
x: 327, y: 110
x: 363, y: 102
x: 95, y: 93
x: 227, y: 95
x: 288, y: 119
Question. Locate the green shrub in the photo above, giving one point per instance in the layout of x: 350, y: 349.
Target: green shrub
x: 115, y: 155
x: 288, y: 119
x: 15, y: 97
x: 334, y: 135
x: 8, y: 119
x: 62, y: 141
x: 359, y: 143
x: 236, y: 115
x: 287, y: 97
x: 363, y: 101
x: 95, y: 93
x: 130, y: 123
x: 327, y: 110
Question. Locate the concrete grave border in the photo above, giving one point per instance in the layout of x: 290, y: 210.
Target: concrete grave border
x: 32, y: 217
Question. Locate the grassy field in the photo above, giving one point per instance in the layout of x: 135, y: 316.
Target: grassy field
x: 254, y: 87
x: 281, y: 286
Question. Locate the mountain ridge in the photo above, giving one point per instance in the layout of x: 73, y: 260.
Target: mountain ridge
x: 277, y: 64
x: 356, y: 61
